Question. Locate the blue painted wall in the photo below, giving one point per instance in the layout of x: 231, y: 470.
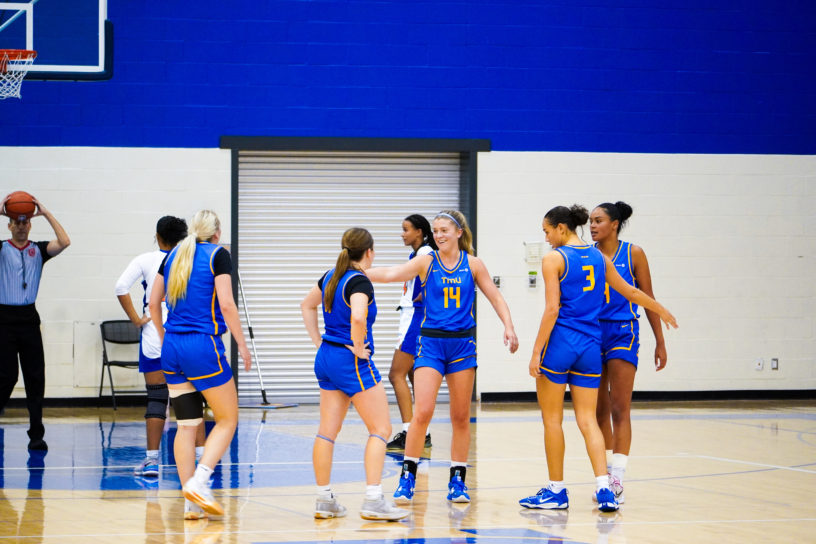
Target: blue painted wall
x: 691, y: 76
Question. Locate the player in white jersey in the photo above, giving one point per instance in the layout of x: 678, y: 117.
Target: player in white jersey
x: 143, y: 269
x: 416, y: 232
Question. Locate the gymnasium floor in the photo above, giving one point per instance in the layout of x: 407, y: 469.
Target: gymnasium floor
x: 700, y: 472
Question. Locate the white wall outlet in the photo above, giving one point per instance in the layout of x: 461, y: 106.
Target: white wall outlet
x: 759, y: 364
x: 775, y: 363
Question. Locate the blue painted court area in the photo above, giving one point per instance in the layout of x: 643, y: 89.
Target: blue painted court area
x: 88, y: 456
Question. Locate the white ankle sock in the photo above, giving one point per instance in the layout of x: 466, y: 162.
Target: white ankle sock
x: 373, y: 492
x: 601, y: 482
x: 414, y: 459
x: 199, y: 452
x: 619, y: 462
x: 152, y: 454
x: 324, y: 492
x: 203, y: 474
x: 556, y: 487
x: 405, y: 426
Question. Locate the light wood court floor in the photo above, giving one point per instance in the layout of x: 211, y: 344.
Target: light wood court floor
x: 699, y: 472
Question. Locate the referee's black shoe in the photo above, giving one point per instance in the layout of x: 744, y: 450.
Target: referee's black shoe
x: 398, y: 443
x: 37, y: 444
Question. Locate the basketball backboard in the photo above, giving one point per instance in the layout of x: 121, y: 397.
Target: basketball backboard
x: 73, y: 39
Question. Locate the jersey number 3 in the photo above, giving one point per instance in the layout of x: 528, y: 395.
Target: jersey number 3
x: 590, y: 270
x: 451, y: 293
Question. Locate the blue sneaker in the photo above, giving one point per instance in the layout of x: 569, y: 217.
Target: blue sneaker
x: 457, y: 490
x: 149, y: 468
x: 545, y: 499
x: 606, y: 500
x: 405, y: 490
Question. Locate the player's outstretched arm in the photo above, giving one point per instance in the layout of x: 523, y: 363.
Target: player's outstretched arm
x: 485, y: 283
x: 418, y: 266
x: 633, y: 294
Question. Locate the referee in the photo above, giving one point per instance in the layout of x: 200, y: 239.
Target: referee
x: 21, y: 263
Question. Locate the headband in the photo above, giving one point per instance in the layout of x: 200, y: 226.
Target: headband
x: 452, y: 218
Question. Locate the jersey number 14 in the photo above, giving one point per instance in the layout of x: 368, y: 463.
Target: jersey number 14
x: 451, y: 293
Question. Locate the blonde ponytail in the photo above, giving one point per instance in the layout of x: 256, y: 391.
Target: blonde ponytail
x: 203, y: 227
x: 459, y: 221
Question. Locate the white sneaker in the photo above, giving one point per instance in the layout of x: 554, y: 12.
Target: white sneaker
x: 617, y: 488
x: 329, y: 508
x: 202, y: 495
x: 381, y: 509
x: 193, y: 511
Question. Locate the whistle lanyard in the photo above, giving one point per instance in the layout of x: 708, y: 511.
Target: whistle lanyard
x: 22, y: 260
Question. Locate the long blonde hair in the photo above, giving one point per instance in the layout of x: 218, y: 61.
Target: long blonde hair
x: 356, y: 241
x: 466, y: 240
x: 203, y: 227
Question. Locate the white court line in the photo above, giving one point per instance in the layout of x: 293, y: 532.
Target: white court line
x: 435, y: 461
x: 751, y: 463
x: 358, y: 531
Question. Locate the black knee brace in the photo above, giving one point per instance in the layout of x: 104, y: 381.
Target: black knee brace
x: 189, y: 408
x: 157, y: 396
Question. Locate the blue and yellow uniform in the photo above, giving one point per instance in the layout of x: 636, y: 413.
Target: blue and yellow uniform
x: 193, y: 350
x: 572, y: 354
x: 336, y: 367
x: 620, y: 330
x: 446, y: 341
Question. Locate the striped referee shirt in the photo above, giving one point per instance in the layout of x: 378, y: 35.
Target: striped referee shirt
x: 20, y: 272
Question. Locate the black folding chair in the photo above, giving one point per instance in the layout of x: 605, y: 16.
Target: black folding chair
x: 121, y: 331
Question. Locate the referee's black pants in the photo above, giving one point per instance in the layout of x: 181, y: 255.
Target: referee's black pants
x: 24, y: 340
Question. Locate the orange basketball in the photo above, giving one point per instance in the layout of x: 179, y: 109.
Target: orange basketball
x: 20, y: 205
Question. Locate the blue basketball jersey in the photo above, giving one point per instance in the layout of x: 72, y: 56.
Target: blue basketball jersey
x: 449, y: 295
x: 616, y: 307
x: 338, y: 322
x: 582, y: 289
x: 199, y: 310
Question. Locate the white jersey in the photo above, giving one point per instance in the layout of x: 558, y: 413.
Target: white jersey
x: 144, y: 268
x: 409, y: 289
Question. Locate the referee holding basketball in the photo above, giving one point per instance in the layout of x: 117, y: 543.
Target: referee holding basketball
x: 21, y: 263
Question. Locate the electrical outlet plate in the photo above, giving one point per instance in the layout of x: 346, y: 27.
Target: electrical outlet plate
x: 775, y: 363
x: 759, y: 364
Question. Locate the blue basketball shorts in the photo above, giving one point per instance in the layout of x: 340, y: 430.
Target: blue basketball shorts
x: 571, y: 357
x: 337, y: 368
x: 147, y: 364
x: 409, y: 339
x: 446, y: 355
x: 195, y: 357
x: 620, y: 340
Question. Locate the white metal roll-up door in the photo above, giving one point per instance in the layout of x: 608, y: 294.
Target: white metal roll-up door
x: 293, y: 210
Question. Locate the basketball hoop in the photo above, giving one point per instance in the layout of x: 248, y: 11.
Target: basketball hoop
x: 14, y: 65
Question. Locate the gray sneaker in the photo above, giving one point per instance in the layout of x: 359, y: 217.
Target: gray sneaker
x: 382, y: 509
x: 329, y: 508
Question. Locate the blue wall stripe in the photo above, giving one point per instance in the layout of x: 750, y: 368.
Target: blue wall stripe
x: 588, y: 75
